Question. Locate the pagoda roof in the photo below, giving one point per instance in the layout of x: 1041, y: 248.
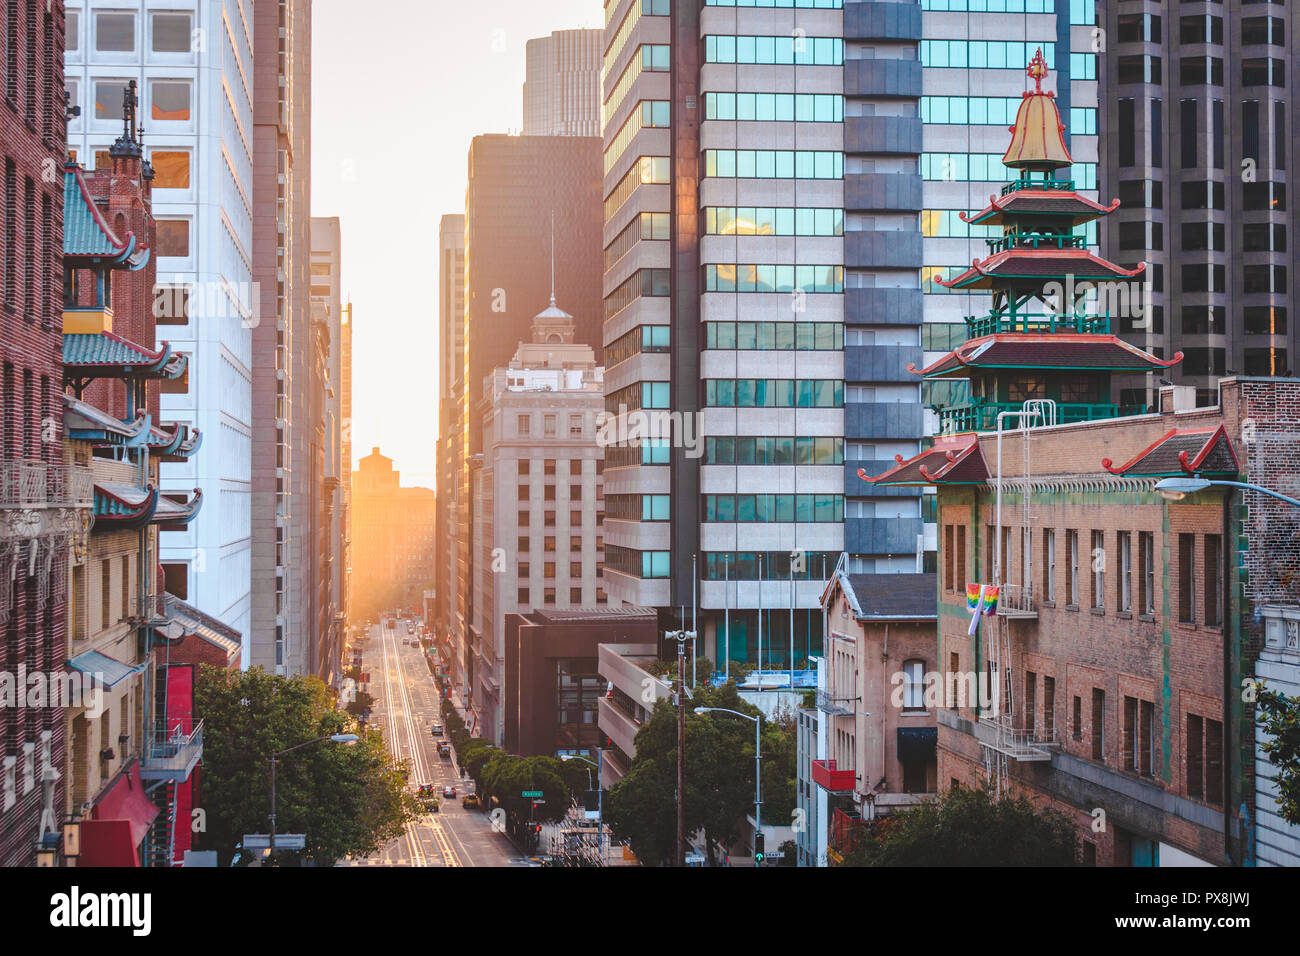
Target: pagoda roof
x: 175, y: 515
x: 1206, y: 450
x: 1061, y: 351
x: 1038, y: 136
x: 108, y: 355
x: 954, y: 460
x: 123, y: 507
x: 1054, y: 203
x: 87, y: 234
x: 175, y: 441
x: 1001, y: 269
x: 85, y: 422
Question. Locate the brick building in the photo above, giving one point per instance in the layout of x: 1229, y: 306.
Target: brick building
x: 42, y: 501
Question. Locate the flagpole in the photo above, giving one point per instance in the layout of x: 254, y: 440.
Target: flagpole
x: 726, y: 577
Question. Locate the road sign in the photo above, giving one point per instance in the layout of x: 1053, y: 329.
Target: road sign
x: 777, y: 855
x: 694, y: 858
x: 538, y: 803
x: 533, y: 793
x: 283, y: 841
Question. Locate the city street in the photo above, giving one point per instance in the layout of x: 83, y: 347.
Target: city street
x: 405, y: 708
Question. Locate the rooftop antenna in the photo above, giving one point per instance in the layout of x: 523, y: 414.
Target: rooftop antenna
x: 552, y: 258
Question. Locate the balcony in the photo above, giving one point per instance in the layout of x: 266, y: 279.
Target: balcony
x: 826, y: 776
x: 1017, y: 601
x: 1063, y: 185
x: 983, y: 416
x: 992, y: 324
x: 1036, y: 240
x: 173, y: 755
x: 39, y: 484
x: 1025, y: 746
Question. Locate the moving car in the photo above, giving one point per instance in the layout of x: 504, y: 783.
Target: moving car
x: 470, y: 801
x: 436, y: 730
x: 449, y: 792
x: 428, y: 795
x: 444, y: 751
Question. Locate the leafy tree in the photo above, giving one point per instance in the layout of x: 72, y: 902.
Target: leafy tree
x: 969, y: 827
x: 347, y: 799
x: 361, y: 705
x: 506, y: 777
x: 641, y: 808
x: 1280, y: 717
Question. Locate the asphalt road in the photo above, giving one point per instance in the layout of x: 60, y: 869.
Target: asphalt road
x: 406, y: 706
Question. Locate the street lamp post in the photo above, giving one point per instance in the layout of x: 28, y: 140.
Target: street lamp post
x: 758, y: 764
x: 1176, y: 489
x: 335, y: 738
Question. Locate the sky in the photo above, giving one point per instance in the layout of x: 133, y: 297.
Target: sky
x: 399, y: 88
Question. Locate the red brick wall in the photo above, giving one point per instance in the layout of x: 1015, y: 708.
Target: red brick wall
x: 33, y: 137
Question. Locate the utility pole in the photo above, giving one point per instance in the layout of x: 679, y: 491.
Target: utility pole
x: 681, y: 752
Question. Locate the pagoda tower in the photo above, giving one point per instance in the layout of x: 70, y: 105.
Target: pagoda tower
x: 1037, y: 341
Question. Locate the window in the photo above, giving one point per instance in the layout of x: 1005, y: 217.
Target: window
x: 1098, y: 558
x: 949, y: 559
x: 522, y: 545
x: 1031, y: 703
x: 523, y: 493
x: 171, y: 169
x: 1098, y: 724
x: 1263, y: 71
x: 1072, y: 559
x: 171, y: 32
x: 114, y: 32
x: 169, y: 100
x: 108, y: 103
x: 1049, y: 709
x: 1128, y: 734
x: 960, y: 583
x: 950, y: 685
x: 72, y: 41
x: 1146, y: 743
x: 524, y: 462
x: 1214, y: 580
x: 126, y: 585
x: 524, y: 425
x: 1049, y: 564
x: 549, y: 544
x: 914, y: 685
x: 521, y: 596
x: 1204, y: 761
x: 548, y: 430
x: 105, y: 593
x: 575, y: 595
x: 1186, y: 575
x: 174, y: 238
x: 1147, y: 572
x: 1076, y: 718
x: 1125, y: 593
x: 524, y: 569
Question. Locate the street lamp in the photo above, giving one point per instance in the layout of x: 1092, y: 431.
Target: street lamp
x: 333, y: 738
x: 1176, y: 489
x: 598, y: 763
x: 758, y: 768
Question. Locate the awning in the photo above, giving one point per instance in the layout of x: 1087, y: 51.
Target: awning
x: 107, y: 671
x: 917, y: 744
x: 118, y: 824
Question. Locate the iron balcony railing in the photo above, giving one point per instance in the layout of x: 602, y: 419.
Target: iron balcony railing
x: 1064, y: 185
x: 1018, y: 744
x: 975, y: 416
x: 1017, y: 600
x: 39, y: 484
x: 834, y: 706
x: 1037, y: 240
x: 173, y: 755
x: 993, y: 323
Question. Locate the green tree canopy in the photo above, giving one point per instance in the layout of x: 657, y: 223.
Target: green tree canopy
x: 347, y: 799
x: 1280, y: 717
x: 507, y: 777
x: 969, y: 827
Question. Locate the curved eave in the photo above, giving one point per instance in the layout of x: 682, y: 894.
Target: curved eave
x: 185, y: 449
x: 983, y: 271
x: 175, y: 517
x: 163, y: 443
x: 112, y: 512
x: 991, y: 215
x: 174, y: 367
x: 1188, y: 466
x: 77, y: 196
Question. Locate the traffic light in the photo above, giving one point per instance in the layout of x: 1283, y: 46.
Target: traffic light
x: 758, y: 848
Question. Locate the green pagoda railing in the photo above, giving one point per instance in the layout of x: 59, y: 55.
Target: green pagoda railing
x: 1064, y: 185
x: 993, y: 323
x: 983, y: 417
x: 1037, y: 240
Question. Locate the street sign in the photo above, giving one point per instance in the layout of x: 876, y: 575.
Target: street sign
x: 778, y: 855
x: 533, y: 793
x: 283, y: 841
x: 538, y: 803
x: 694, y: 858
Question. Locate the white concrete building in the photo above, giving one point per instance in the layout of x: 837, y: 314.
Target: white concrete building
x: 192, y: 62
x: 1277, y: 843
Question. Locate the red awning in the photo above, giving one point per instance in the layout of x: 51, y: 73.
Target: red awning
x: 118, y: 824
x: 107, y: 843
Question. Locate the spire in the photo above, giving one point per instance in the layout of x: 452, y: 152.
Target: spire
x: 127, y: 146
x: 1037, y: 139
x: 553, y: 325
x: 552, y: 258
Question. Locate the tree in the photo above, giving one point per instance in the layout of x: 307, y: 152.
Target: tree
x: 969, y: 827
x: 642, y: 807
x: 361, y: 706
x: 1279, y: 715
x: 507, y: 777
x: 347, y: 799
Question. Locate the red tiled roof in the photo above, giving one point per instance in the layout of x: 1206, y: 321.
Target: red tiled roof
x: 1061, y: 350
x: 954, y: 459
x: 1028, y: 262
x: 1046, y: 202
x: 1183, y: 451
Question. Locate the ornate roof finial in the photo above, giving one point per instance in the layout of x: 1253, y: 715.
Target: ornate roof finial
x: 127, y: 146
x: 1037, y: 69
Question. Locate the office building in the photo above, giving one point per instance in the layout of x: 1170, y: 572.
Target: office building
x: 562, y: 88
x: 287, y: 628
x: 197, y: 97
x: 1199, y: 108
x: 451, y: 365
x: 392, y: 540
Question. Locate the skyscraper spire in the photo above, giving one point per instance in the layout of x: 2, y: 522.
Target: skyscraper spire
x: 552, y: 258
